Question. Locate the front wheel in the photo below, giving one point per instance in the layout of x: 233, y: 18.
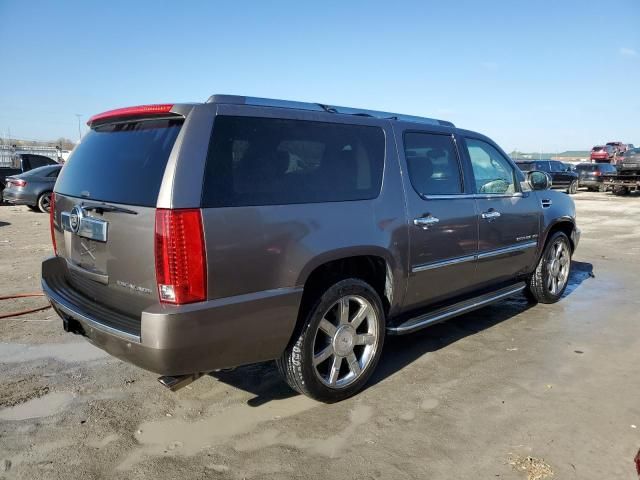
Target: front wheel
x: 339, y: 345
x: 573, y: 188
x: 44, y: 202
x: 551, y: 276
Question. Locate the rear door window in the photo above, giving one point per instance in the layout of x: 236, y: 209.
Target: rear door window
x: 120, y: 163
x: 268, y: 161
x: 433, y: 163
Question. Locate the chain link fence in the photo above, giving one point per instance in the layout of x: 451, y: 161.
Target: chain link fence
x: 7, y: 152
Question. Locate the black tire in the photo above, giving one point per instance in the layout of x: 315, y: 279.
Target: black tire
x: 33, y: 208
x: 573, y: 188
x: 297, y: 361
x: 621, y: 191
x: 44, y: 202
x: 538, y: 284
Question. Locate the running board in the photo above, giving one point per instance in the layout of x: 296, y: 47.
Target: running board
x: 445, y: 313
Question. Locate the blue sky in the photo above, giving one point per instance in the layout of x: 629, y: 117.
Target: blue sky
x: 551, y: 74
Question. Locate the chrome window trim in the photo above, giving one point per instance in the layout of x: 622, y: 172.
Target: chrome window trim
x: 473, y: 196
x: 479, y: 256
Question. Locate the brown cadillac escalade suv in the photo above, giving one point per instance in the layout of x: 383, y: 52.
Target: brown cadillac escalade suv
x: 195, y: 237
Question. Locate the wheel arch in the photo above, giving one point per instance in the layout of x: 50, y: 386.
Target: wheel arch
x: 565, y: 224
x: 373, y: 264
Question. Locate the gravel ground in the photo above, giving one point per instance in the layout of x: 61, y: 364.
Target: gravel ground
x: 510, y: 391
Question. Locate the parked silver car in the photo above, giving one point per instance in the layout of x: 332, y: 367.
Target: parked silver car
x: 33, y: 188
x: 195, y: 237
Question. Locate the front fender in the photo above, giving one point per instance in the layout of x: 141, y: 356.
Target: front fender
x: 562, y: 210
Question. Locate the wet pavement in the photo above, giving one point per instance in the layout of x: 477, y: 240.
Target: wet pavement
x: 507, y: 391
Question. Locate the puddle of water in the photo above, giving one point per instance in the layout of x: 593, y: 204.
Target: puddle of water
x: 38, y: 407
x: 331, y: 447
x: 64, y: 352
x: 188, y: 438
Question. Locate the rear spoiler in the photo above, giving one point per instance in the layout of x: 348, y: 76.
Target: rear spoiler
x: 162, y: 110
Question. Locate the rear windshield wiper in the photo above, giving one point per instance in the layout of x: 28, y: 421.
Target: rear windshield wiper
x: 105, y: 207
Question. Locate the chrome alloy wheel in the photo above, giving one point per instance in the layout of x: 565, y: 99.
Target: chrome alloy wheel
x: 44, y: 203
x: 346, y: 341
x: 558, y: 266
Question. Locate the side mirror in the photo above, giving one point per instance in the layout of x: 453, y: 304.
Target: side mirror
x: 539, y: 180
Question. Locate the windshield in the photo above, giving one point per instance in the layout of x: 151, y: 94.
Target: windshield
x: 120, y: 163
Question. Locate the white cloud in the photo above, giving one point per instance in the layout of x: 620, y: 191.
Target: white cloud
x: 628, y: 52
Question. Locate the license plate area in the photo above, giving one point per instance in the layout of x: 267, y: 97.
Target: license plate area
x: 86, y: 239
x: 81, y: 225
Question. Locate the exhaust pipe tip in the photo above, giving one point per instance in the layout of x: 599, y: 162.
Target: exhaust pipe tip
x: 175, y: 383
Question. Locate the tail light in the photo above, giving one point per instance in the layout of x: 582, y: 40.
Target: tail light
x: 597, y: 173
x: 52, y: 215
x: 180, y: 256
x: 17, y: 182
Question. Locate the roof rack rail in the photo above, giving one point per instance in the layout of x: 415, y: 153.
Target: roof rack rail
x: 321, y: 107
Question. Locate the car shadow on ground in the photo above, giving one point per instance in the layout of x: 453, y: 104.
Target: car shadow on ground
x: 263, y: 380
x: 4, y: 224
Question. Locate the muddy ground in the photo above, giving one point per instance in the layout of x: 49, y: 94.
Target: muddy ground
x: 473, y: 398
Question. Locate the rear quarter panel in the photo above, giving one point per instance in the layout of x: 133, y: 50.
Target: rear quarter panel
x: 258, y: 248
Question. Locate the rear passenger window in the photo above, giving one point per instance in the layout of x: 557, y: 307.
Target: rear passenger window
x: 433, y: 164
x: 35, y: 161
x: 266, y: 161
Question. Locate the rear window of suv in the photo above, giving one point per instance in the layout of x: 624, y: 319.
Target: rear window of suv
x: 268, y: 161
x: 120, y: 163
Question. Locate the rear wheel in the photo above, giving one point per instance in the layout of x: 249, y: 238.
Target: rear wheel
x: 573, y: 188
x: 44, y: 202
x: 602, y: 187
x: 617, y: 190
x: 334, y: 353
x: 551, y: 276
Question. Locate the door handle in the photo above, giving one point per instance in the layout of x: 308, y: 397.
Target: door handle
x: 490, y: 215
x: 426, y: 221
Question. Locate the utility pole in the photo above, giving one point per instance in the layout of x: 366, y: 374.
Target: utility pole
x: 79, y: 115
